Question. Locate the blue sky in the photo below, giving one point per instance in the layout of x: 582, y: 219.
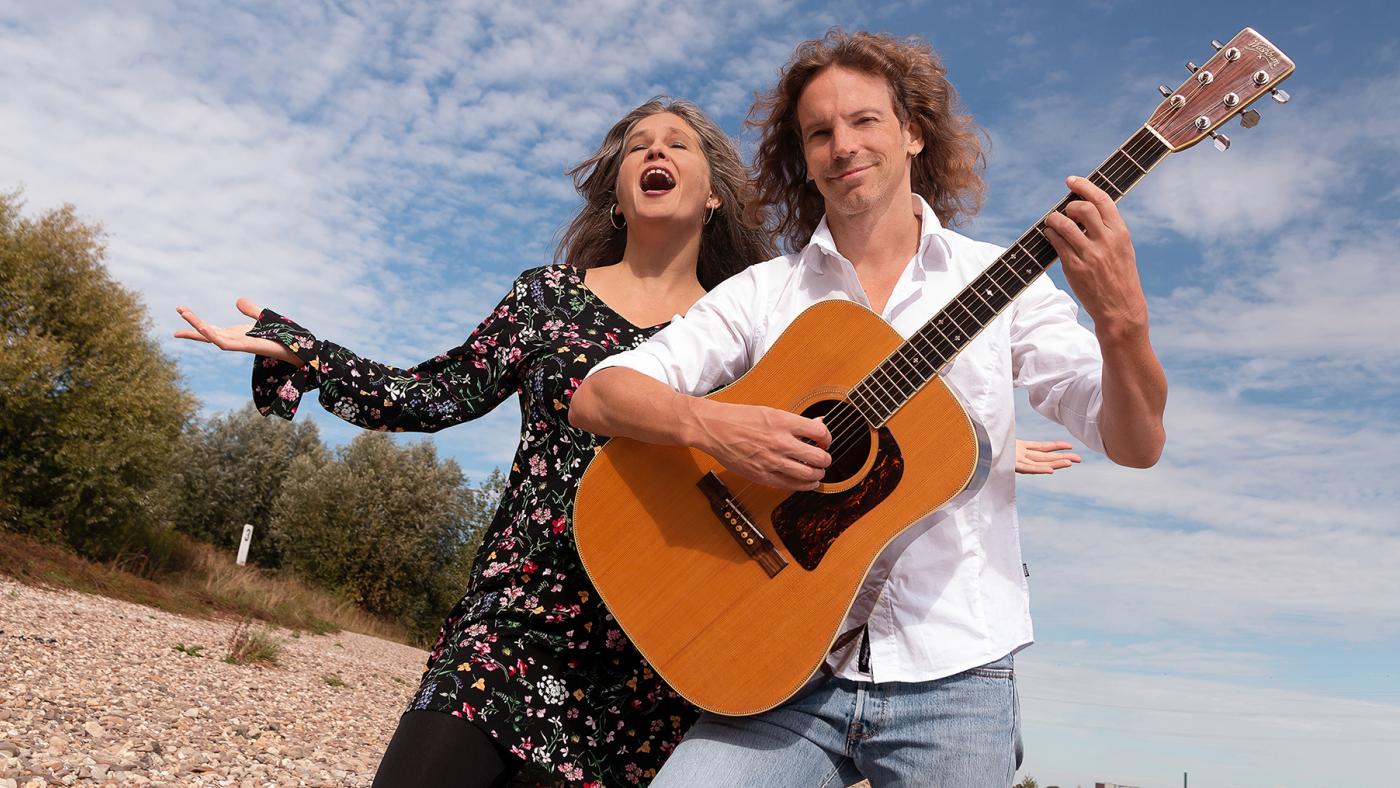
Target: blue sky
x: 381, y: 172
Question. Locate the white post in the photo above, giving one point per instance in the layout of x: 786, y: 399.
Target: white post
x: 243, y: 545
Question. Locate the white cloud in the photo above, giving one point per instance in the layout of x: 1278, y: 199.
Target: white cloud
x: 380, y: 172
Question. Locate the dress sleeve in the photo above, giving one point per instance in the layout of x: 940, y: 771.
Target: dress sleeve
x: 457, y: 386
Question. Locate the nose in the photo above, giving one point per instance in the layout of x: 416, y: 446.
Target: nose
x: 842, y: 141
x: 655, y: 152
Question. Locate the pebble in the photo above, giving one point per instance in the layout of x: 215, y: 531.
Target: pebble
x: 92, y: 692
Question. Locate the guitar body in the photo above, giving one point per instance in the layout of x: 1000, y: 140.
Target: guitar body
x: 708, y: 617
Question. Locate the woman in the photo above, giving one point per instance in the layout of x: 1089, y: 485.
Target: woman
x: 529, y: 666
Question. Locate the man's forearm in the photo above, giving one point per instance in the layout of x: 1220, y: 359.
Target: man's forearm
x: 624, y: 402
x: 762, y: 444
x: 1134, y: 397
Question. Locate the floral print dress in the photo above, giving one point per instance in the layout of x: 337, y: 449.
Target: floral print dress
x: 529, y: 654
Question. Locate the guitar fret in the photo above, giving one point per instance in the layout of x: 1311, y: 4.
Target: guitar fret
x: 928, y: 350
x: 991, y: 293
x: 898, y: 386
x: 1100, y: 180
x: 883, y: 398
x: 929, y: 368
x: 977, y: 309
x: 974, y: 290
x: 938, y: 323
x: 864, y: 403
x: 1007, y: 279
x: 1129, y: 157
x: 941, y: 349
x: 915, y: 364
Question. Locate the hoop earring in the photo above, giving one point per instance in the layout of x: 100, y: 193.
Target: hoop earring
x: 710, y: 215
x: 612, y: 218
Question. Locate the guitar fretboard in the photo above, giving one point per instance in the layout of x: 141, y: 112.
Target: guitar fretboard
x: 925, y: 354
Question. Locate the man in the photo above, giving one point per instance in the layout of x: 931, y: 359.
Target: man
x: 866, y: 130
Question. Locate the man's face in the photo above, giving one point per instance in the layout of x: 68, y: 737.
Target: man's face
x: 856, y: 149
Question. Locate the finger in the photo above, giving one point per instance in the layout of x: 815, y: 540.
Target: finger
x: 1087, y: 216
x: 1047, y: 445
x: 185, y: 333
x: 797, y: 476
x: 1064, y: 235
x: 809, y: 455
x: 1085, y: 188
x: 205, y: 330
x: 249, y: 308
x: 811, y: 429
x: 1107, y: 208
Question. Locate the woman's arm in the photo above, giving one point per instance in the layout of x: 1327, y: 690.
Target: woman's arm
x: 456, y: 386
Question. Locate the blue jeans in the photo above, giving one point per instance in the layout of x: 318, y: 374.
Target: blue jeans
x: 962, y: 731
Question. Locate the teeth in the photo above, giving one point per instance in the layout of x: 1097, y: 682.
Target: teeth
x: 657, y: 171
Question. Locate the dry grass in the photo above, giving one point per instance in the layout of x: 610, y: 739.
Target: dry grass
x: 281, y: 599
x: 248, y: 646
x: 211, y: 584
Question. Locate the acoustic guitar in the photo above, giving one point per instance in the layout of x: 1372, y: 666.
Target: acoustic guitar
x: 735, y: 592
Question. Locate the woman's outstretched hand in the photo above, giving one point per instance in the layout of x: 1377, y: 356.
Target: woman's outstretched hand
x: 1043, y: 456
x: 234, y: 337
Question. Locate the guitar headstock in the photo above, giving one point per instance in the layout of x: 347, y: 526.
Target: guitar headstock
x: 1237, y: 75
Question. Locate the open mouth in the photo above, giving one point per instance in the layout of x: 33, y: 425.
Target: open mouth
x: 656, y: 180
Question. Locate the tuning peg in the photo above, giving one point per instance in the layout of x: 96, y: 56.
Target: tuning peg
x: 1164, y: 90
x: 1249, y: 118
x: 1216, y: 44
x: 1222, y: 142
x: 1280, y: 95
x: 1191, y: 67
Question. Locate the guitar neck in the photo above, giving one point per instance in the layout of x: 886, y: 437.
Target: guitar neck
x: 934, y: 346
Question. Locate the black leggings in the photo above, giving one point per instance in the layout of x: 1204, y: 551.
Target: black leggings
x: 431, y: 749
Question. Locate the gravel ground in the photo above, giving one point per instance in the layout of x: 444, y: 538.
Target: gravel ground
x: 93, y: 692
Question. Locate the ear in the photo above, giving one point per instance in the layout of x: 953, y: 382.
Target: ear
x: 713, y: 202
x: 915, y: 145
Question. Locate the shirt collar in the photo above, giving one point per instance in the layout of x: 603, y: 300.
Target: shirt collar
x: 933, y: 254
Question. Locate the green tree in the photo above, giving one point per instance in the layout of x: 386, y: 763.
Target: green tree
x: 231, y: 473
x: 389, y: 526
x: 90, y: 409
x: 1026, y: 782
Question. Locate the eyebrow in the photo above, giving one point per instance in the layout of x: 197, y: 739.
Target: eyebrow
x: 670, y: 131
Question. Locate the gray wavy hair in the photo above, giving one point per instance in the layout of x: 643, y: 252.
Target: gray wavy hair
x: 732, y: 240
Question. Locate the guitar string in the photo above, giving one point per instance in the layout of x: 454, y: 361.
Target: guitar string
x: 844, y: 442
x: 1140, y: 143
x: 1134, y: 149
x: 1111, y: 174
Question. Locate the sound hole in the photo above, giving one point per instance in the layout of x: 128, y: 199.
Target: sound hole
x: 850, y: 438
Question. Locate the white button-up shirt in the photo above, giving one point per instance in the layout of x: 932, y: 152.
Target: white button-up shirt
x: 957, y: 596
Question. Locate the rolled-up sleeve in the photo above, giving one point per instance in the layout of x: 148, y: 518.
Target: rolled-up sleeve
x: 1057, y: 361
x: 709, y: 347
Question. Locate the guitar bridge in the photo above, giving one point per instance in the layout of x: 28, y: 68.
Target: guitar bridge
x: 740, y: 525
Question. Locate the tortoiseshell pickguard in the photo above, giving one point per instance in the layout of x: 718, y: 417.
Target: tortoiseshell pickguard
x: 809, y: 522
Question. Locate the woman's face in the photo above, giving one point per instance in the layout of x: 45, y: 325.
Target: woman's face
x: 664, y: 176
